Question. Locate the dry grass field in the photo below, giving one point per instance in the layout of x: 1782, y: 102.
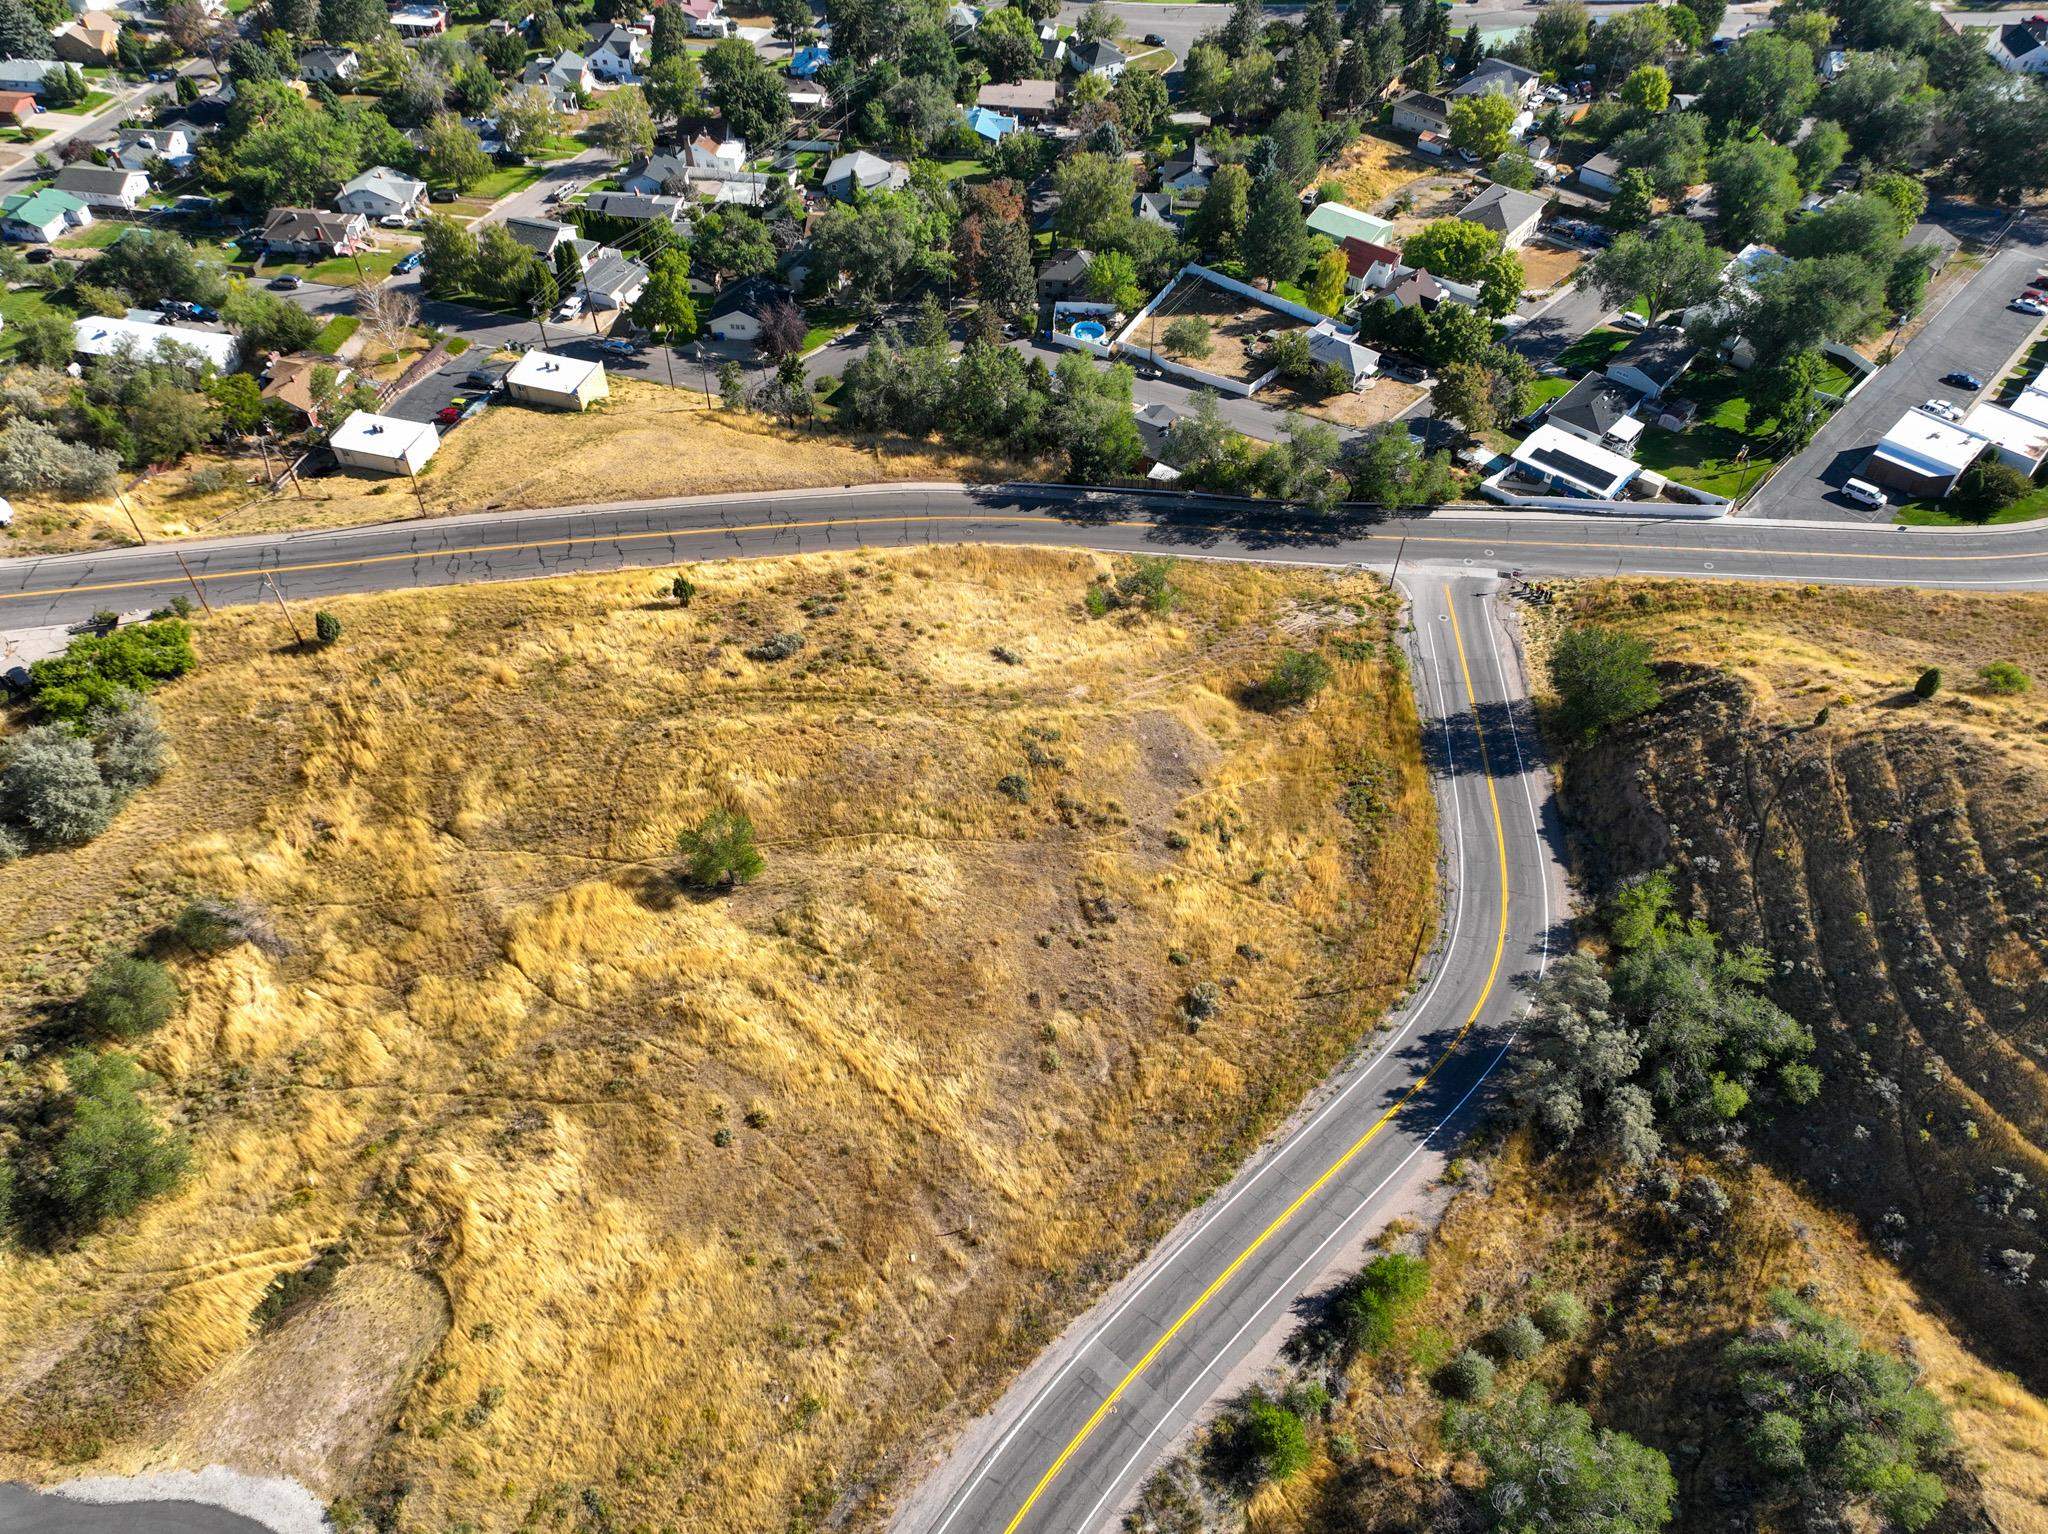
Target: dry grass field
x: 661, y: 1211
x: 1235, y: 324
x: 646, y: 440
x: 1372, y: 170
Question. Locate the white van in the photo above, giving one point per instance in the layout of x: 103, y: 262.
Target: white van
x: 1865, y: 493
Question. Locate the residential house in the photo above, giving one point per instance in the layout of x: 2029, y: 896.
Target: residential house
x: 542, y: 236
x: 313, y: 233
x: 962, y: 18
x: 1941, y: 244
x: 1600, y: 411
x: 87, y: 39
x: 140, y: 148
x: 1418, y: 289
x: 1500, y: 78
x: 415, y: 21
x: 1574, y: 466
x: 142, y: 335
x: 636, y: 207
x: 1155, y: 208
x: 1028, y: 101
x: 850, y: 174
x: 1060, y: 276
x: 294, y: 381
x: 1156, y: 421
x: 1329, y: 347
x: 1103, y: 59
x: 1341, y: 222
x: 736, y: 314
x: 2020, y: 47
x: 616, y: 53
x: 1511, y: 213
x: 612, y: 279
x: 104, y: 186
x: 1602, y: 173
x: 808, y: 60
x: 16, y: 107
x: 716, y: 154
x: 44, y: 215
x: 556, y: 382
x: 27, y: 74
x: 1370, y: 266
x: 1189, y: 170
x: 1052, y: 48
x: 329, y: 66
x: 565, y: 75
x: 706, y: 18
x: 989, y: 125
x: 381, y: 192
x: 1832, y: 63
x: 1417, y: 112
x: 383, y: 444
x: 1653, y: 361
x: 655, y: 173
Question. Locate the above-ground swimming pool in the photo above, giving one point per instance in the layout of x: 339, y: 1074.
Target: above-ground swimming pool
x: 1089, y: 330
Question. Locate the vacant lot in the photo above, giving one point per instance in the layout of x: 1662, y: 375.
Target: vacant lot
x: 1235, y: 324
x: 1372, y: 170
x: 645, y: 440
x: 1544, y: 265
x: 666, y: 1211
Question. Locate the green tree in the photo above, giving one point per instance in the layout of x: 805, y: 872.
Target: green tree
x: 731, y: 244
x: 1668, y: 265
x: 1548, y: 1469
x: 2003, y: 678
x: 1635, y: 199
x: 451, y: 154
x: 625, y: 124
x: 127, y: 997
x: 525, y: 117
x: 1786, y: 391
x: 675, y: 89
x: 1756, y: 185
x: 1388, y: 467
x: 22, y: 33
x: 1095, y: 193
x: 1559, y: 36
x: 1483, y: 123
x: 746, y: 91
x: 1326, y: 283
x: 110, y: 1156
x: 719, y: 852
x: 666, y: 309
x: 1986, y: 488
x: 1463, y: 251
x: 1817, y: 156
x: 150, y: 265
x: 1647, y: 89
x: 1602, y: 677
x: 1296, y: 677
x: 1217, y: 225
x: 1276, y: 242
x: 1262, y: 1441
x: 1112, y: 279
x: 1884, y: 104
x: 1091, y: 425
x: 1764, y: 83
x: 1840, y: 1427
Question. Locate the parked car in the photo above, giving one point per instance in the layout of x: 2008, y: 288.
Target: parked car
x: 1628, y: 319
x: 1865, y: 494
x: 2032, y: 306
x: 441, y: 194
x: 481, y: 378
x: 409, y: 262
x: 1947, y: 409
x: 448, y: 415
x: 393, y: 221
x: 161, y: 76
x: 41, y: 255
x: 1154, y: 40
x: 618, y: 346
x: 1961, y: 380
x: 288, y: 283
x: 570, y: 307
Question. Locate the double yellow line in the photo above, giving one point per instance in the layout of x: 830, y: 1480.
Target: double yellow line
x: 1280, y: 1220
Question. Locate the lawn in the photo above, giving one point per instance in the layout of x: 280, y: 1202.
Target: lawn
x: 95, y: 236
x: 335, y: 333
x: 1154, y: 61
x: 17, y: 305
x: 1545, y: 390
x: 1591, y: 351
x: 826, y: 321
x: 335, y: 271
x: 21, y: 135
x: 961, y: 170
x: 2028, y: 508
x: 1704, y: 455
x: 90, y: 103
x: 1835, y: 379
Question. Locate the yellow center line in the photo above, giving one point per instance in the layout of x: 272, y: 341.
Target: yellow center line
x: 534, y: 545
x: 1280, y: 1220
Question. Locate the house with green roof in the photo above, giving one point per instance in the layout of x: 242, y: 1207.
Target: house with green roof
x: 1337, y: 220
x: 43, y: 215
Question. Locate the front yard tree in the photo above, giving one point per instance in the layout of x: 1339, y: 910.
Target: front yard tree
x: 447, y: 257
x: 1095, y: 196
x: 1112, y: 279
x: 992, y: 248
x: 452, y: 155
x: 1464, y: 393
x: 1765, y: 82
x: 524, y: 117
x: 1467, y: 252
x: 1484, y: 124
x: 731, y: 243
x: 1756, y: 185
x: 666, y: 308
x: 1787, y: 391
x: 1325, y: 286
x: 1276, y: 241
x: 1635, y: 199
x: 747, y: 92
x: 675, y: 88
x: 1819, y: 154
x: 1559, y: 36
x: 22, y: 35
x: 1217, y: 224
x: 626, y: 125
x: 1647, y: 89
x: 1667, y: 265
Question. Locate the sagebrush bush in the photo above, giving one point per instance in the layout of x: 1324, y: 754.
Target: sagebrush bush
x: 35, y: 457
x: 127, y: 997
x: 1561, y: 1315
x: 2004, y: 678
x: 1297, y: 676
x: 51, y: 786
x: 719, y: 852
x: 1467, y: 1377
x: 213, y: 926
x: 130, y: 745
x: 110, y: 1155
x: 1518, y: 1338
x: 326, y: 627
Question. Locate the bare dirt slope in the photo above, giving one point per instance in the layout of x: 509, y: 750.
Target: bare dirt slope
x: 664, y: 1211
x: 1892, y: 860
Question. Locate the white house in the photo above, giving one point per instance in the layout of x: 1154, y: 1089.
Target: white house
x: 419, y: 21
x: 1573, y: 465
x: 1653, y: 361
x: 707, y: 153
x: 1922, y: 454
x: 1600, y: 411
x: 329, y: 66
x: 313, y: 232
x: 736, y: 314
x: 383, y: 444
x: 616, y: 54
x: 1102, y: 59
x: 2020, y: 47
x: 567, y: 73
x: 381, y: 192
x: 1602, y: 173
x: 1370, y: 266
x: 138, y: 148
x: 707, y: 18
x: 100, y: 186
x: 612, y: 279
x: 1510, y: 212
x: 97, y: 335
x: 1417, y: 112
x: 1330, y: 347
x: 46, y: 215
x: 555, y: 381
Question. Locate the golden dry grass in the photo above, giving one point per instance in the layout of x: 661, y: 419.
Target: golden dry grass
x: 1372, y: 169
x: 646, y: 440
x: 704, y: 1211
x: 1235, y: 323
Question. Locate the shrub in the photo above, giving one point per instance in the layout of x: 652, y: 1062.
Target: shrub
x: 1263, y: 1441
x: 214, y: 926
x: 11, y: 845
x: 106, y: 671
x: 1928, y: 683
x: 33, y: 457
x: 1548, y: 1467
x: 1297, y: 676
x: 1468, y: 1377
x: 127, y: 997
x: 1147, y: 584
x: 1012, y: 786
x: 776, y: 647
x: 719, y: 851
x: 2004, y: 678
x: 1561, y: 1315
x: 291, y: 1290
x: 326, y: 627
x: 110, y: 1156
x: 1518, y: 1338
x: 1602, y: 677
x: 52, y: 785
x: 130, y: 746
x: 683, y: 589
x: 1986, y: 488
x: 1189, y: 335
x: 211, y: 480
x: 1374, y: 1302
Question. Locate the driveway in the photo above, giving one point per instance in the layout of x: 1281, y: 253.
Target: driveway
x: 1974, y: 331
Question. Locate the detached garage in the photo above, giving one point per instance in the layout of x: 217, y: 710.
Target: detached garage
x: 383, y: 444
x: 559, y: 383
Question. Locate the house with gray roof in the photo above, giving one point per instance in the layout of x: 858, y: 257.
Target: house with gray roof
x: 1508, y: 211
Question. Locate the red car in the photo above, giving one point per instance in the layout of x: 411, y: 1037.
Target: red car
x: 448, y: 415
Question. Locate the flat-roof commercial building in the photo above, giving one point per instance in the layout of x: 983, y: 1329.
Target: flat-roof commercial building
x: 1924, y: 453
x: 559, y: 383
x: 383, y: 444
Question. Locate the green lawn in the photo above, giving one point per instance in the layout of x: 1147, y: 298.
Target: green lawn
x: 1154, y: 61
x: 826, y: 321
x: 17, y: 306
x: 1934, y: 513
x: 1834, y: 378
x: 335, y: 271
x: 335, y: 333
x: 1590, y: 352
x: 91, y: 103
x: 22, y: 135
x: 1703, y: 455
x: 95, y: 236
x: 961, y: 170
x: 1544, y: 390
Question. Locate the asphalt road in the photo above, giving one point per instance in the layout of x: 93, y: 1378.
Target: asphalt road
x: 1974, y: 331
x: 27, y: 1512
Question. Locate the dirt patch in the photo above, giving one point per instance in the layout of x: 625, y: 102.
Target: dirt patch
x: 728, y: 1200
x: 1424, y: 202
x: 1235, y: 325
x: 1379, y: 401
x: 1544, y: 265
x: 1373, y: 170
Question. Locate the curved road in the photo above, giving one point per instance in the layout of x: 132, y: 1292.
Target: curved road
x: 1066, y: 1445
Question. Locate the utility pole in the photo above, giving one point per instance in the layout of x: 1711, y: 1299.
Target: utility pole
x: 1395, y: 573
x: 297, y: 638
x: 197, y: 590
x: 417, y: 493
x: 130, y: 510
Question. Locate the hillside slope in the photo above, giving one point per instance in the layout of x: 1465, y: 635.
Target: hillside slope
x: 642, y: 1208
